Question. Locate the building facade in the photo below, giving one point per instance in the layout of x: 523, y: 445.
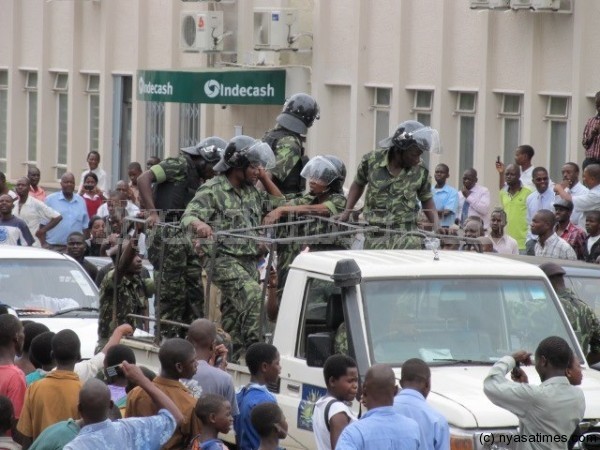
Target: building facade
x: 488, y: 80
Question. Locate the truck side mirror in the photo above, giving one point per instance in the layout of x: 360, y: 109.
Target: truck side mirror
x: 319, y: 347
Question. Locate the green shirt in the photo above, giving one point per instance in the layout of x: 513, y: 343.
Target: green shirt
x: 55, y: 437
x: 392, y: 200
x: 515, y: 207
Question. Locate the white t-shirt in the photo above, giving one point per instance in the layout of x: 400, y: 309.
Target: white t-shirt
x: 322, y: 436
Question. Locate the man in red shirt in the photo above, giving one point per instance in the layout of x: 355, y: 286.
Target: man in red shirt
x: 12, y: 379
x: 591, y: 137
x: 565, y: 229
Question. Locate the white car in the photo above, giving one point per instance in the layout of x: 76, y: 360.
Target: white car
x: 50, y: 288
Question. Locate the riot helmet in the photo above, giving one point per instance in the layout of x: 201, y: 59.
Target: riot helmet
x: 412, y: 133
x: 210, y: 149
x: 328, y: 169
x: 243, y: 151
x: 298, y: 114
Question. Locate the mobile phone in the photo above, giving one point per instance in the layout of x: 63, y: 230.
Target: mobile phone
x: 498, y: 159
x: 114, y: 371
x: 515, y: 372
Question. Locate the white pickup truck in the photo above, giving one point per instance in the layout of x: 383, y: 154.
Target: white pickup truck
x: 460, y: 313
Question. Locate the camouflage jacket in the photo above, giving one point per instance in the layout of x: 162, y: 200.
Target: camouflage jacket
x: 391, y: 201
x: 224, y: 208
x: 132, y: 298
x: 288, y: 152
x: 582, y: 319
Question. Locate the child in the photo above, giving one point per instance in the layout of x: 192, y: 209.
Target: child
x: 591, y: 250
x: 214, y: 411
x: 7, y: 418
x: 332, y: 413
x: 115, y: 378
x: 270, y: 424
x: 263, y: 363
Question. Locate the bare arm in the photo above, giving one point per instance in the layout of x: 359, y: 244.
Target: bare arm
x: 144, y: 183
x: 115, y: 338
x: 500, y: 168
x: 356, y: 191
x: 267, y: 182
x: 560, y: 190
x: 336, y: 425
x: 41, y: 232
x: 160, y: 399
x: 430, y: 212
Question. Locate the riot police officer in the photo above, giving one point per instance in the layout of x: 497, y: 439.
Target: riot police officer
x: 231, y: 201
x: 287, y: 141
x: 177, y: 179
x: 398, y: 183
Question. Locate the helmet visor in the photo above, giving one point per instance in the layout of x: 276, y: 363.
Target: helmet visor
x: 319, y: 168
x: 260, y: 154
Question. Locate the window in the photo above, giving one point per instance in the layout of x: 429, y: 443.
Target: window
x: 510, y: 113
x: 465, y: 109
x: 189, y: 124
x: 93, y: 91
x: 31, y: 81
x: 381, y: 106
x: 314, y: 315
x: 155, y: 129
x: 3, y: 118
x: 61, y: 86
x: 422, y: 107
x: 557, y: 114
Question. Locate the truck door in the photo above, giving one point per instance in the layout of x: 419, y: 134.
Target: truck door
x: 300, y: 385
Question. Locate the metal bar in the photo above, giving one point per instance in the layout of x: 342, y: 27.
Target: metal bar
x: 153, y: 319
x: 265, y: 288
x: 157, y: 295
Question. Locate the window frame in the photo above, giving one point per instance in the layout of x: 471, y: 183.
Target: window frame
x: 379, y: 111
x: 4, y: 84
x: 462, y: 113
x: 31, y: 89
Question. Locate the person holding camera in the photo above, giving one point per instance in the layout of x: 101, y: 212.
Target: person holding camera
x: 91, y: 194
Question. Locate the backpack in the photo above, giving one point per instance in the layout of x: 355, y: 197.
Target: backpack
x: 294, y: 183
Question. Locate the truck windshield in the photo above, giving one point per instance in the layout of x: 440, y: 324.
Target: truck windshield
x: 45, y: 287
x: 445, y: 320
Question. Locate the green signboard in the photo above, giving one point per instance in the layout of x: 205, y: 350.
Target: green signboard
x: 235, y: 87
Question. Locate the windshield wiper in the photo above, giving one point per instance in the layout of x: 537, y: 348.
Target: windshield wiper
x: 475, y: 362
x: 77, y: 308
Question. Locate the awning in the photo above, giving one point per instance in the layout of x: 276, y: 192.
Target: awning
x: 225, y: 86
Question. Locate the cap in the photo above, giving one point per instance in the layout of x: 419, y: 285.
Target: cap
x: 561, y: 202
x: 552, y: 269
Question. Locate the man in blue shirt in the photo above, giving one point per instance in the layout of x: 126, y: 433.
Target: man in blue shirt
x: 415, y: 380
x: 444, y: 196
x: 99, y: 433
x: 382, y: 426
x: 72, y: 208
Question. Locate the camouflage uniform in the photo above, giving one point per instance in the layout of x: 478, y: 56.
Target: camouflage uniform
x: 235, y: 273
x: 132, y: 298
x: 288, y: 151
x: 392, y: 202
x: 582, y: 319
x: 286, y: 253
x: 181, y: 291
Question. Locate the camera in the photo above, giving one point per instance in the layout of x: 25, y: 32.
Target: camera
x: 88, y: 187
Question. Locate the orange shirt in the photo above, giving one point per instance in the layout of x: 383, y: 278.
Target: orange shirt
x: 48, y: 401
x: 40, y: 194
x: 139, y: 404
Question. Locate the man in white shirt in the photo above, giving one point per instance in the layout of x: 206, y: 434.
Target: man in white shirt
x: 553, y: 407
x: 34, y: 213
x: 503, y: 243
x: 589, y: 201
x: 571, y: 184
x: 473, y: 199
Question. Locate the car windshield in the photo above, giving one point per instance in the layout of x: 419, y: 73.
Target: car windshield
x: 443, y: 320
x: 45, y: 287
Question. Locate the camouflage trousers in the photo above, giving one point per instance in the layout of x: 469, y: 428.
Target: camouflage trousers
x: 241, y: 297
x: 181, y: 291
x: 385, y: 240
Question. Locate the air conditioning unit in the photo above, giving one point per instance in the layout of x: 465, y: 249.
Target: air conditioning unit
x: 520, y: 4
x: 499, y: 4
x: 274, y: 29
x: 545, y: 5
x: 202, y: 31
x: 480, y: 4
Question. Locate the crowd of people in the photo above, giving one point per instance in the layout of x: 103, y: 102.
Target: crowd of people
x: 209, y: 209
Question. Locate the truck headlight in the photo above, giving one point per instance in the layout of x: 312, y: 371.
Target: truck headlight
x: 461, y: 439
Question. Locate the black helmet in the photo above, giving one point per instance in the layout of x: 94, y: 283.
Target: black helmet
x: 210, y: 149
x: 241, y: 151
x: 298, y: 114
x: 340, y: 166
x: 411, y: 132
